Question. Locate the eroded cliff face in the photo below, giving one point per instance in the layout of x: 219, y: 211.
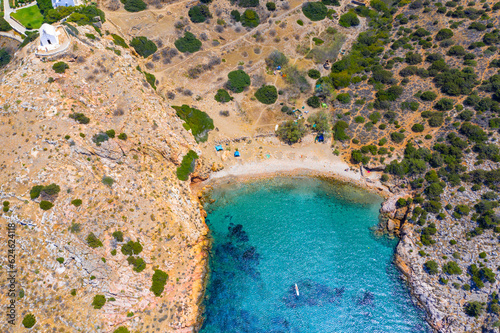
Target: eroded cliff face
x: 42, y: 145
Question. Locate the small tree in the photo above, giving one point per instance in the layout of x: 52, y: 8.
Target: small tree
x: 349, y: 19
x: 432, y: 267
x: 108, y: 181
x: 118, y: 236
x: 315, y: 11
x: 474, y: 309
x: 291, y: 131
x: 271, y: 6
x: 444, y: 34
x: 452, y: 268
x: 93, y: 241
x: 199, y: 13
x: 98, y: 301
x: 313, y: 102
x: 238, y: 80
x: 223, y: 96
x: 250, y: 19
x: 135, y: 5
x: 143, y: 46
x: 159, y: 280
x: 131, y: 248
x: 29, y: 320
x: 46, y: 205
x: 267, y: 94
x: 60, y: 67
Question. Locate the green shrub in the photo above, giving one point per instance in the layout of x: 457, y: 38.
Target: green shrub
x: 50, y: 190
x: 313, y: 102
x: 315, y: 11
x: 444, y: 34
x: 143, y: 46
x: 4, y: 57
x: 158, y: 282
x: 199, y: 13
x: 29, y: 320
x: 83, y: 15
x: 76, y: 202
x: 314, y: 74
x: 247, y: 3
x: 291, y: 131
x: 452, y: 268
x: 80, y: 118
x: 463, y: 210
x: 238, y: 80
x: 339, y: 131
x: 271, y: 6
x: 349, y: 19
x: 46, y: 205
x: 93, y: 241
x: 111, y: 133
x: 474, y: 309
x: 428, y: 96
x: 195, y: 120
x: 122, y: 136
x: 60, y: 260
x: 187, y: 165
x: 151, y: 79
x: 359, y: 119
x: 473, y: 132
x: 138, y: 263
x: 444, y: 104
x: 250, y: 19
x: 431, y: 267
x: 118, y: 236
x: 223, y: 96
x: 100, y: 138
x: 236, y: 15
x: 60, y: 67
x: 397, y: 137
x: 121, y: 329
x: 98, y: 301
x: 417, y: 128
x: 344, y: 98
x: 108, y: 181
x: 267, y: 94
x: 131, y: 248
x: 36, y: 191
x: 119, y: 41
x: 401, y: 202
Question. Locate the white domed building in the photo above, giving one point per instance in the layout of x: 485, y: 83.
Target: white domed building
x: 48, y: 37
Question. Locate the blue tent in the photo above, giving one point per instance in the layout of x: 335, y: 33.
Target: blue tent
x: 236, y: 154
x: 321, y: 138
x: 218, y: 148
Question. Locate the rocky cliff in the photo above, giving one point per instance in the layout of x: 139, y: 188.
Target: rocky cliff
x: 107, y: 183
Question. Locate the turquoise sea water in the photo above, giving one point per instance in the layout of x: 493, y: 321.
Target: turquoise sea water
x: 272, y: 234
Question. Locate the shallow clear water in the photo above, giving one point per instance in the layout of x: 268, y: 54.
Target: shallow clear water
x: 272, y: 234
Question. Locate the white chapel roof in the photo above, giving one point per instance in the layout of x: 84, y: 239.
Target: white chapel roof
x: 48, y: 29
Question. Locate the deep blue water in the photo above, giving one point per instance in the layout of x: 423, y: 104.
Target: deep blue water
x: 272, y: 234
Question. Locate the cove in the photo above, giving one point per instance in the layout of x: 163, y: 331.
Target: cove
x: 269, y: 235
